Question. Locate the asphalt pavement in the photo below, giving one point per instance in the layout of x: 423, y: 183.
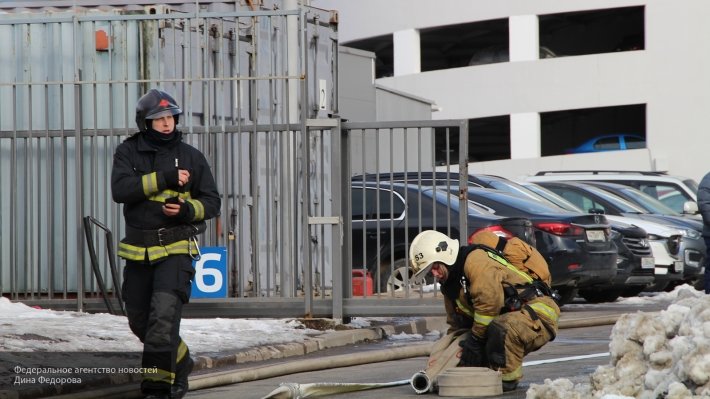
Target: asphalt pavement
x: 555, y: 360
x: 592, y: 325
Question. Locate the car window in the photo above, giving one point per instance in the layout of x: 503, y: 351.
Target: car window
x: 674, y: 200
x: 581, y: 201
x: 365, y: 205
x: 692, y: 185
x: 650, y: 203
x: 513, y: 188
x: 452, y: 201
x: 622, y: 204
x: 633, y: 142
x: 520, y: 203
x: 607, y: 143
x: 668, y: 194
x: 553, y: 198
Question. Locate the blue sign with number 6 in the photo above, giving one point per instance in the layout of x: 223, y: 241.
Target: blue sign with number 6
x: 210, y: 280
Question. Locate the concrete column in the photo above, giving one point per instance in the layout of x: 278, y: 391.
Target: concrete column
x: 525, y: 138
x: 407, y: 52
x: 524, y: 36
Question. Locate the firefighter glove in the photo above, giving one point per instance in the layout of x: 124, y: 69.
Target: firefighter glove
x: 172, y: 179
x: 184, y: 214
x: 473, y: 352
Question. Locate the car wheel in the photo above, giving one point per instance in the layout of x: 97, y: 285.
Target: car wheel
x: 567, y: 295
x: 671, y: 286
x: 700, y: 284
x: 396, y: 282
x: 656, y: 287
x: 599, y: 296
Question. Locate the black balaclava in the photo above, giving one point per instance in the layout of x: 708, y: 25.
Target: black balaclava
x: 160, y: 139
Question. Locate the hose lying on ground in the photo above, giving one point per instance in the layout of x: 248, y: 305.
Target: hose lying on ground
x: 290, y: 390
x: 305, y: 365
x: 231, y: 377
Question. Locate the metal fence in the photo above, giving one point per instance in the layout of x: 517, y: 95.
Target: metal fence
x: 256, y: 87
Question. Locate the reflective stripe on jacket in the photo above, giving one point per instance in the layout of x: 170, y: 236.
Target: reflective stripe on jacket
x: 152, y: 254
x: 138, y: 182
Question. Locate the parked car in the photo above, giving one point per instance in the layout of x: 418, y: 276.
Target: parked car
x: 677, y: 192
x: 596, y: 200
x: 578, y: 247
x: 386, y: 216
x: 559, y: 245
x: 665, y: 241
x: 694, y: 260
x: 640, y: 198
x: 636, y: 260
x: 609, y: 142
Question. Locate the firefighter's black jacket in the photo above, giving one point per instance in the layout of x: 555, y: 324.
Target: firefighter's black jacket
x: 138, y: 182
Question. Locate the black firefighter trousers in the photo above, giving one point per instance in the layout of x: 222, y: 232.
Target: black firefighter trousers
x: 154, y: 296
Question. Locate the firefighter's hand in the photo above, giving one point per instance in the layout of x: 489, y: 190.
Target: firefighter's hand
x: 473, y: 352
x: 173, y: 209
x: 183, y: 177
x: 176, y: 178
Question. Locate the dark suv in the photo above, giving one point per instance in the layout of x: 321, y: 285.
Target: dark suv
x: 387, y: 216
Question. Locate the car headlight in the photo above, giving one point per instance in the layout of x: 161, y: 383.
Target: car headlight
x: 691, y: 233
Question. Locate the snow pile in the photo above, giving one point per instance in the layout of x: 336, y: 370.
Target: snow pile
x: 653, y: 355
x: 27, y: 329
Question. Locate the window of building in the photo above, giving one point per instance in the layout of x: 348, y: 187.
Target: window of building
x: 460, y: 45
x: 593, y: 32
x: 593, y: 129
x: 488, y: 140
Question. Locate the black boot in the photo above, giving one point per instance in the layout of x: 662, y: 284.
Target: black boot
x: 509, y: 385
x: 180, y: 386
x: 179, y: 390
x: 157, y: 396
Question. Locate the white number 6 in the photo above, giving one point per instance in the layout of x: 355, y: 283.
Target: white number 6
x: 202, y: 270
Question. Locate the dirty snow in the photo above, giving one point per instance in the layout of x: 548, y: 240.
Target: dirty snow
x: 653, y: 355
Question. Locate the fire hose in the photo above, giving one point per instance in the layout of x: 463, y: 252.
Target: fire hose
x: 297, y: 391
x: 422, y: 381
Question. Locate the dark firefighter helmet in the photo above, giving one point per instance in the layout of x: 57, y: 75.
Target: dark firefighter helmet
x: 153, y: 105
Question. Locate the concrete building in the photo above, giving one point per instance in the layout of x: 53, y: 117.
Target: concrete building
x: 536, y: 79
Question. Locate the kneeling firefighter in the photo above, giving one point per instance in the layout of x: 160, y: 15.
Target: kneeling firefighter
x: 498, y: 302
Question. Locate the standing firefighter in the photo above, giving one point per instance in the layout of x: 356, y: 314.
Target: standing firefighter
x: 167, y: 191
x: 498, y: 303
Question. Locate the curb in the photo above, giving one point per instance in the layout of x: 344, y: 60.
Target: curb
x: 324, y: 341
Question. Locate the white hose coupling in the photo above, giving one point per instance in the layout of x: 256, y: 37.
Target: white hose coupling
x: 421, y: 383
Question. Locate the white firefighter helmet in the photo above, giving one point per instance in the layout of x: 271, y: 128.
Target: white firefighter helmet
x: 431, y: 246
